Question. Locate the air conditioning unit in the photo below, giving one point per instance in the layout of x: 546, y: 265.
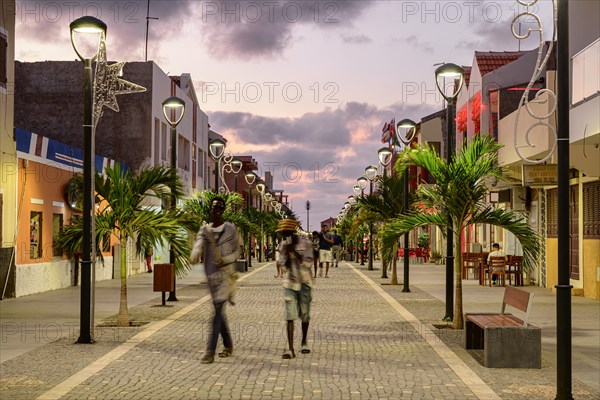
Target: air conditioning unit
x: 518, y: 198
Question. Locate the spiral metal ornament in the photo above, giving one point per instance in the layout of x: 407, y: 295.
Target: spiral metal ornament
x: 540, y: 64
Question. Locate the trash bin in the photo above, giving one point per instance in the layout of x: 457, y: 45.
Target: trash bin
x: 164, y: 277
x: 240, y: 265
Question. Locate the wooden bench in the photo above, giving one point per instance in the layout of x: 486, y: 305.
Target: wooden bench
x: 507, y: 341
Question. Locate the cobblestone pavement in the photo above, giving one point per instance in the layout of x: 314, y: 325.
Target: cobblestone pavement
x: 365, y: 338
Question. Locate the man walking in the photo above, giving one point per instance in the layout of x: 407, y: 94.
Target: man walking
x: 217, y: 245
x: 336, y: 248
x: 325, y: 242
x: 295, y: 259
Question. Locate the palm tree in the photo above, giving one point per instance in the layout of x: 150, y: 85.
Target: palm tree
x: 384, y: 205
x: 196, y: 211
x: 458, y: 199
x: 124, y: 212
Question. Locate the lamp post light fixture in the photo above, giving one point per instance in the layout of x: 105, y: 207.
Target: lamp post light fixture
x: 384, y: 155
x: 406, y: 129
x: 453, y: 72
x: 173, y: 109
x: 250, y: 177
x: 87, y: 33
x: 217, y: 150
x: 371, y: 174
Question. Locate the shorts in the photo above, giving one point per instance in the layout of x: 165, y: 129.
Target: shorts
x: 325, y: 256
x: 297, y: 303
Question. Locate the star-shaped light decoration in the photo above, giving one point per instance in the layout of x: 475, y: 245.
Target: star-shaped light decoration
x: 108, y: 84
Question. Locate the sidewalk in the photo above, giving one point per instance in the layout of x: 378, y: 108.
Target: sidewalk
x: 368, y: 340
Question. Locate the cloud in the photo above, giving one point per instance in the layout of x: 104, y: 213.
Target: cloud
x: 493, y: 31
x: 317, y: 156
x: 258, y: 30
x: 48, y: 22
x: 356, y: 39
x: 413, y: 42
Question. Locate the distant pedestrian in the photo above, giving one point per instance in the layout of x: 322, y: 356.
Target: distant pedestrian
x: 336, y: 248
x: 315, y: 244
x: 217, y: 245
x: 325, y: 242
x: 148, y: 257
x: 296, y: 256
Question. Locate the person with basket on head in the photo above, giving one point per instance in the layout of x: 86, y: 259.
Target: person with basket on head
x: 295, y: 259
x: 217, y: 246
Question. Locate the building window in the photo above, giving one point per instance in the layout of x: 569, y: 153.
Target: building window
x: 183, y: 153
x: 200, y: 163
x: 156, y: 141
x: 57, y: 224
x: 35, y: 234
x: 163, y: 141
x: 552, y: 212
x: 3, y: 61
x: 585, y: 69
x: 591, y: 210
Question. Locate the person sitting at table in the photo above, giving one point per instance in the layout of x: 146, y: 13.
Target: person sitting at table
x: 496, y: 252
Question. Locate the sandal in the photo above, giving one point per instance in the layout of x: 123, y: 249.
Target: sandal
x: 288, y: 355
x: 226, y: 352
x: 304, y: 349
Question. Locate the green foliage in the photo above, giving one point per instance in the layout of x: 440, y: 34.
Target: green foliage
x: 458, y: 199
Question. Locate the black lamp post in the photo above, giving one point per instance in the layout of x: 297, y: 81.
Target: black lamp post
x: 453, y: 72
x: 173, y: 109
x: 370, y: 174
x: 406, y: 130
x: 356, y: 190
x: 261, y: 191
x: 217, y: 149
x: 250, y: 177
x: 87, y: 49
x: 308, y: 215
x: 362, y: 184
x: 384, y: 155
x: 564, y: 387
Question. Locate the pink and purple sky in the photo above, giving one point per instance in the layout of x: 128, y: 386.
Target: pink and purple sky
x: 303, y: 86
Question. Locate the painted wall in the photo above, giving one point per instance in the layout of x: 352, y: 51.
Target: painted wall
x: 8, y: 153
x: 591, y: 268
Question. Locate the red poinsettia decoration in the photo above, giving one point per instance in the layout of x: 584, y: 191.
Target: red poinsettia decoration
x: 476, y: 112
x: 461, y: 119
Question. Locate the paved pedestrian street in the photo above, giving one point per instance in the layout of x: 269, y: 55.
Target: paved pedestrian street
x: 368, y: 341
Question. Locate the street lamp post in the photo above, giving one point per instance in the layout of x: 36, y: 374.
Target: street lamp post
x: 371, y: 174
x: 356, y: 190
x: 406, y: 130
x: 173, y: 109
x: 362, y: 184
x: 250, y: 177
x: 385, y: 157
x: 95, y: 30
x: 217, y: 149
x: 452, y: 71
x: 261, y: 190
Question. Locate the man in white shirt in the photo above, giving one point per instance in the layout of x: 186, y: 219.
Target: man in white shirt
x: 496, y: 252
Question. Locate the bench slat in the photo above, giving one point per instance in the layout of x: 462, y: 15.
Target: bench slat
x: 494, y: 320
